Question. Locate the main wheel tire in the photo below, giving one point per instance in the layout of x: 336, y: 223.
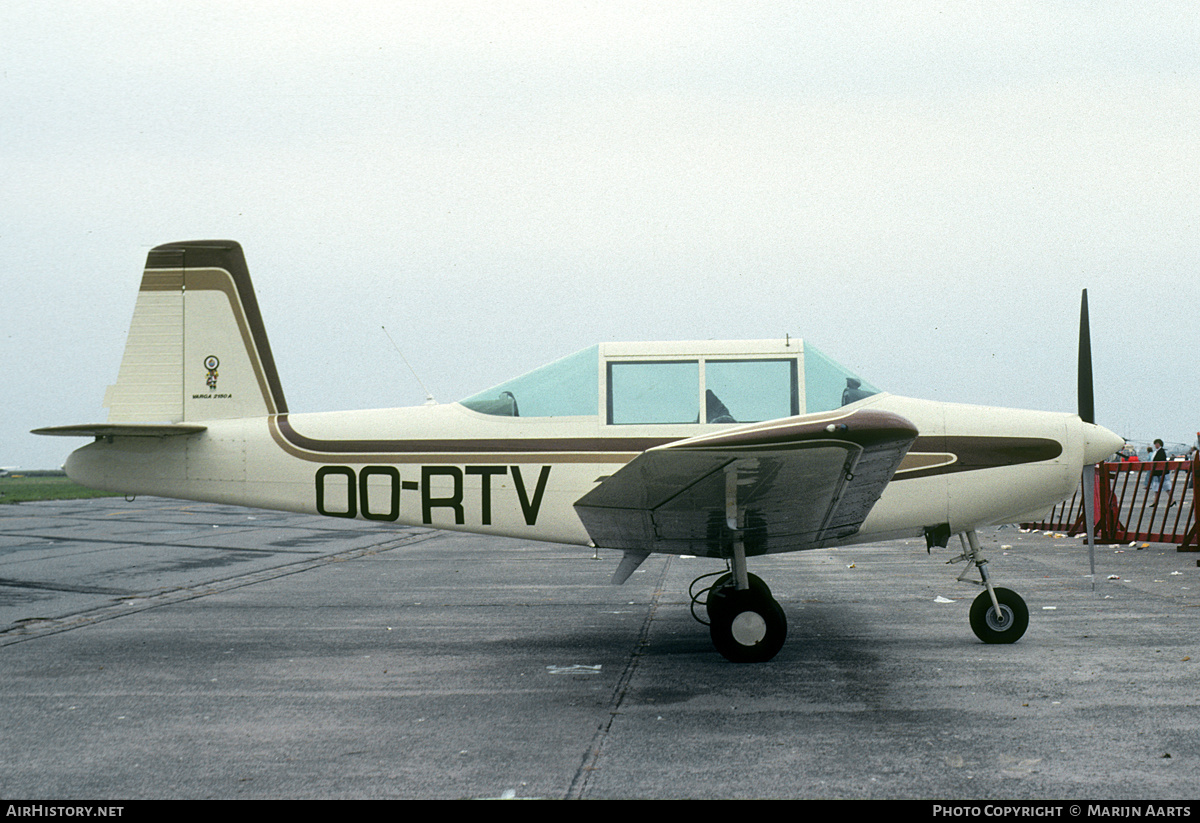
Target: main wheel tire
x: 747, y: 627
x: 1006, y: 627
x: 719, y: 591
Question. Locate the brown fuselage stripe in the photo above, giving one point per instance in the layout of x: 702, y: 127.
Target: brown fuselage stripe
x: 973, y: 452
x: 515, y: 450
x: 970, y: 453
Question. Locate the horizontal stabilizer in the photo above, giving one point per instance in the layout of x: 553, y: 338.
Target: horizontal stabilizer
x: 123, y: 430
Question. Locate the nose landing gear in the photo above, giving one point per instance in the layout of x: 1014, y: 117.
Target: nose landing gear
x: 997, y: 615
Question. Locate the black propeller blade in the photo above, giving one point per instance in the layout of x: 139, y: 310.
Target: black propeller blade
x: 1087, y: 400
x: 1087, y: 413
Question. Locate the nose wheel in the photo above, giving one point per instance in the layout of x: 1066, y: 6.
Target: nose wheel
x: 725, y: 584
x: 997, y: 615
x: 1002, y: 622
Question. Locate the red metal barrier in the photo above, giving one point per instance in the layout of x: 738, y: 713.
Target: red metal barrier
x: 1152, y: 501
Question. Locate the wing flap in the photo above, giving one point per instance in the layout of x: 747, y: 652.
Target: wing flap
x: 795, y: 483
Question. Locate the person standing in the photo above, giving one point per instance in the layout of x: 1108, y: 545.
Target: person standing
x: 1160, y: 466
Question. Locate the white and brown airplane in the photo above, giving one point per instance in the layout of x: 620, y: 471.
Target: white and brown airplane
x: 721, y: 449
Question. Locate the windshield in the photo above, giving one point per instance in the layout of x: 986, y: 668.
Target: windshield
x: 565, y: 388
x: 829, y: 385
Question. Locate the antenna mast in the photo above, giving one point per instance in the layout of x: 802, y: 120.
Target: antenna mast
x: 429, y: 401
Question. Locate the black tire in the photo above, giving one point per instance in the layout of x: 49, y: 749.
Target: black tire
x: 747, y: 627
x: 718, y: 591
x: 1006, y: 627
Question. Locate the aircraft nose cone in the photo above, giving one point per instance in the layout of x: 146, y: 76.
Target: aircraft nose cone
x: 1099, y: 443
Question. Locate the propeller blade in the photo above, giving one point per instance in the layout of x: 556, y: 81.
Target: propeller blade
x: 1087, y: 413
x: 1089, y: 516
x: 1087, y: 400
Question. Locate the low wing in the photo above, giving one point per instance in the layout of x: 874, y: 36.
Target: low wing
x: 790, y: 484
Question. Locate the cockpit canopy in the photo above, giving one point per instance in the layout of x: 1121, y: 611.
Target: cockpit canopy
x: 671, y: 383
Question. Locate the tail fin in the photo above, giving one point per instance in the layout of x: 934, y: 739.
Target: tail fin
x: 197, y: 348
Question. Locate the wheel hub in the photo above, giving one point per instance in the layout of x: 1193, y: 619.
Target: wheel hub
x: 999, y: 622
x: 749, y: 628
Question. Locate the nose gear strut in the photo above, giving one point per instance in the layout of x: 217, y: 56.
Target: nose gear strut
x: 997, y: 615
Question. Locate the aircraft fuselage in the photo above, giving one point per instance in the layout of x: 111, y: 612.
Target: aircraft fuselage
x: 449, y: 467
x: 719, y: 448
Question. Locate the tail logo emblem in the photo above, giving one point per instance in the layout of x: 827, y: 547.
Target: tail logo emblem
x: 211, y: 362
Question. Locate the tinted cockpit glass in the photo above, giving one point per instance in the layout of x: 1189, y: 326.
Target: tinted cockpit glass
x: 745, y: 390
x: 829, y: 385
x: 564, y: 388
x: 648, y: 391
x: 750, y: 391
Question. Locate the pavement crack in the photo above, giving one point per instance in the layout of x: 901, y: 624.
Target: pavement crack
x: 134, y: 602
x: 12, y: 583
x: 595, y: 748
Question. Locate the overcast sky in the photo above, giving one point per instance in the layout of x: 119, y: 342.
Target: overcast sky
x: 920, y: 189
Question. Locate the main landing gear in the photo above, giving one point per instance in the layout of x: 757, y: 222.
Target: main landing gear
x: 746, y: 624
x: 997, y: 615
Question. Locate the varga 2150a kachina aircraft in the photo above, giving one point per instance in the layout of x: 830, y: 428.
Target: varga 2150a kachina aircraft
x: 721, y: 449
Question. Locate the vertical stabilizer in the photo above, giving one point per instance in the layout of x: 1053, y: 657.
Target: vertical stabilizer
x: 197, y: 348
